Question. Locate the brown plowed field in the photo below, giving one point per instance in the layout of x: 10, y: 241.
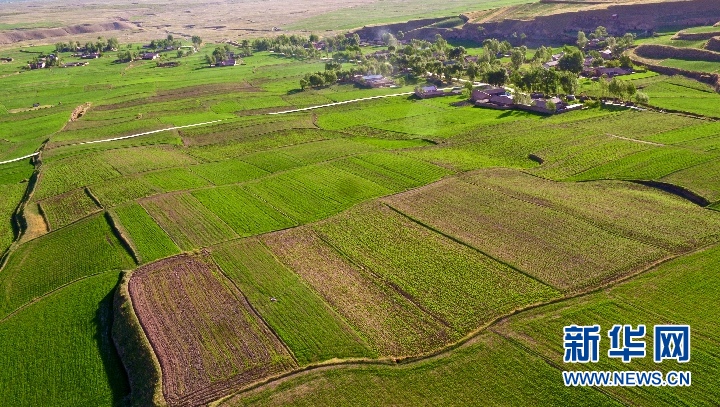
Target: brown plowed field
x: 208, y: 339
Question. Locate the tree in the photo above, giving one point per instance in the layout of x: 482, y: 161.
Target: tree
x: 600, y: 33
x: 641, y: 97
x: 604, y: 86
x: 582, y: 40
x: 572, y: 61
x: 517, y: 58
x: 197, y: 41
x: 210, y: 59
x: 314, y: 38
x: 550, y: 105
x: 498, y: 76
x: 472, y: 71
x: 569, y: 83
x: 400, y: 35
x: 625, y: 61
x: 112, y: 44
x: 457, y: 53
x: 629, y: 90
x: 616, y: 87
x: 316, y: 80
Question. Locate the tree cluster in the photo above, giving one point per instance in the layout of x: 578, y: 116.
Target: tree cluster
x: 101, y: 45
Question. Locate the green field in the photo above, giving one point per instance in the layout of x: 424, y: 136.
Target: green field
x: 78, y: 251
x: 74, y: 361
x: 452, y: 282
x: 528, y: 348
x: 149, y: 241
x: 428, y: 253
x: 310, y: 328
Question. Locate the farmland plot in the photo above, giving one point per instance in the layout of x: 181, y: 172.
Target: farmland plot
x: 58, y: 352
x: 242, y: 130
x: 80, y: 250
x: 141, y: 159
x: 682, y: 291
x: 310, y: 193
x: 311, y: 153
x: 392, y: 324
x: 649, y: 164
x: 148, y: 239
x: 456, y: 284
x: 12, y: 194
x: 228, y: 172
x: 187, y: 221
x: 242, y: 211
x: 271, y: 160
x: 558, y: 249
x: 563, y: 160
x: 174, y: 179
x: 467, y: 376
x: 620, y: 207
x: 312, y: 330
x: 703, y: 179
x: 123, y: 189
x: 70, y: 173
x: 63, y: 209
x: 206, y: 336
x: 255, y: 143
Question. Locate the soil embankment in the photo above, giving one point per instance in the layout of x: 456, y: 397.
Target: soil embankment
x: 713, y: 44
x: 13, y: 36
x: 665, y: 51
x: 642, y: 19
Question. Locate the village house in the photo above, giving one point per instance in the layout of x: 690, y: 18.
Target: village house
x: 606, y: 54
x: 486, y: 93
x: 74, y: 64
x: 551, y: 64
x: 374, y: 81
x: 425, y: 92
x: 611, y: 72
x: 90, y: 55
x: 227, y: 62
x: 149, y: 56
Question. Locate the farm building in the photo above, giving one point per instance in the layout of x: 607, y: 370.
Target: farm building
x: 91, y: 55
x: 74, y: 64
x: 425, y: 92
x: 149, y: 56
x: 374, y: 81
x: 486, y: 93
x: 227, y: 62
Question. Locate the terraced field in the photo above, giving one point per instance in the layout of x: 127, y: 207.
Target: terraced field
x: 554, y: 231
x: 207, y: 338
x: 312, y: 330
x: 62, y: 257
x: 407, y: 244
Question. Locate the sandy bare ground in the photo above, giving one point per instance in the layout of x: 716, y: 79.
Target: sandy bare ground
x: 146, y: 19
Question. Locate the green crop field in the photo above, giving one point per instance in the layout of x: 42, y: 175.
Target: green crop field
x: 528, y: 348
x: 383, y: 251
x: 314, y: 192
x: 148, y: 239
x: 74, y: 361
x: 454, y: 283
x: 390, y: 323
x: 572, y: 253
x: 66, y: 208
x: 311, y: 329
x: 187, y: 221
x: 242, y: 211
x: 81, y: 250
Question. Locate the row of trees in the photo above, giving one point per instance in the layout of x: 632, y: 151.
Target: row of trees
x: 604, y: 40
x: 101, y: 45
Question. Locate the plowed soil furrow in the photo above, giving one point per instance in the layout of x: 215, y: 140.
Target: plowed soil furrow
x: 206, y: 337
